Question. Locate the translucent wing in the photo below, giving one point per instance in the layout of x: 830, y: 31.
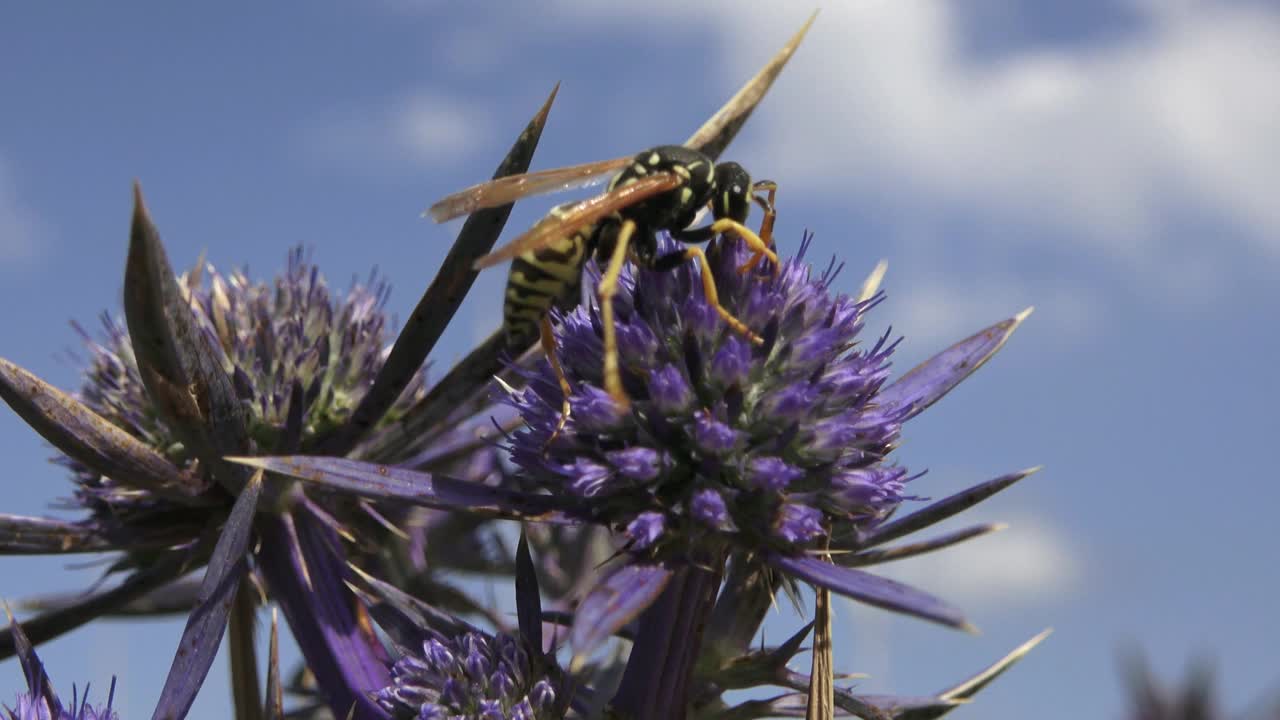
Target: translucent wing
x: 513, y: 187
x: 573, y: 217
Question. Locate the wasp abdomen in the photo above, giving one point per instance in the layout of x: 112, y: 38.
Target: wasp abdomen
x: 542, y: 279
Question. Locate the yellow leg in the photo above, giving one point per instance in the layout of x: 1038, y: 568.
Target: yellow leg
x: 608, y: 288
x: 713, y: 295
x: 754, y: 243
x: 549, y: 349
x: 766, y: 225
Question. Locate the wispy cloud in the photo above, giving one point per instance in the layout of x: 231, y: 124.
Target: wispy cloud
x: 22, y: 233
x: 1027, y: 563
x: 420, y: 129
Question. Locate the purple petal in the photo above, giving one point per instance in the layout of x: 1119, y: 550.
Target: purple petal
x: 203, y: 633
x: 771, y: 473
x: 797, y: 523
x: 732, y: 363
x: 636, y: 343
x: 926, y: 383
x: 91, y: 439
x: 595, y: 411
x: 645, y: 529
x: 614, y: 603
x: 441, y: 300
x: 384, y: 482
x: 637, y: 463
x: 788, y: 404
x: 942, y: 509
x: 709, y: 508
x: 870, y: 589
x: 307, y: 576
x: 669, y: 391
x: 712, y: 436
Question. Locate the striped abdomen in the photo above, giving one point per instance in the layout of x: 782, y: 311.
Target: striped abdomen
x: 541, y: 279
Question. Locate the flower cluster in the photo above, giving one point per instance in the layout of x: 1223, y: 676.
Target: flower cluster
x: 472, y: 676
x: 768, y: 446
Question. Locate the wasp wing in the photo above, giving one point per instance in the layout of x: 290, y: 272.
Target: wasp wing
x: 513, y: 187
x: 578, y: 215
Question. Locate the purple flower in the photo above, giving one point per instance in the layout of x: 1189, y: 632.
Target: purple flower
x: 473, y: 675
x: 801, y: 408
x: 645, y: 529
x: 267, y: 367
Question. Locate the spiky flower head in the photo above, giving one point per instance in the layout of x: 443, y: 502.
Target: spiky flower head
x: 473, y: 676
x: 765, y: 446
x: 290, y: 346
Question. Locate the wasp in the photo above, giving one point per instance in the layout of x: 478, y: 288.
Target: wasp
x: 663, y: 188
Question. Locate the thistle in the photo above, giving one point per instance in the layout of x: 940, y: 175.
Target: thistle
x: 725, y: 473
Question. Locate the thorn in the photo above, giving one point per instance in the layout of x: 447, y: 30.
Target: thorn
x: 1023, y: 316
x: 872, y: 283
x: 505, y: 386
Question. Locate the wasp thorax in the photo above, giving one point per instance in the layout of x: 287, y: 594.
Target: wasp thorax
x: 678, y: 207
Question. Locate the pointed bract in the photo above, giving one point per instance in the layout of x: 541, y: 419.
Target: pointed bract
x: 453, y: 280
x: 385, y: 482
x: 90, y: 439
x: 612, y: 604
x: 203, y: 632
x: 721, y: 128
x: 863, y: 587
x: 181, y: 367
x: 528, y: 599
x: 926, y: 383
x: 942, y: 509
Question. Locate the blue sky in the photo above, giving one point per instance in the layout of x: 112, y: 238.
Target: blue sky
x: 1112, y: 163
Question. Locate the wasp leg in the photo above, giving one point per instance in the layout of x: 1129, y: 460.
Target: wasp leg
x: 549, y: 349
x: 671, y: 260
x: 766, y: 225
x: 608, y: 288
x: 758, y: 246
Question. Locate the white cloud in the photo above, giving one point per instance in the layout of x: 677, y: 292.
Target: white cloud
x: 425, y: 128
x: 1029, y: 562
x: 1109, y: 146
x: 1104, y: 140
x: 21, y: 232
